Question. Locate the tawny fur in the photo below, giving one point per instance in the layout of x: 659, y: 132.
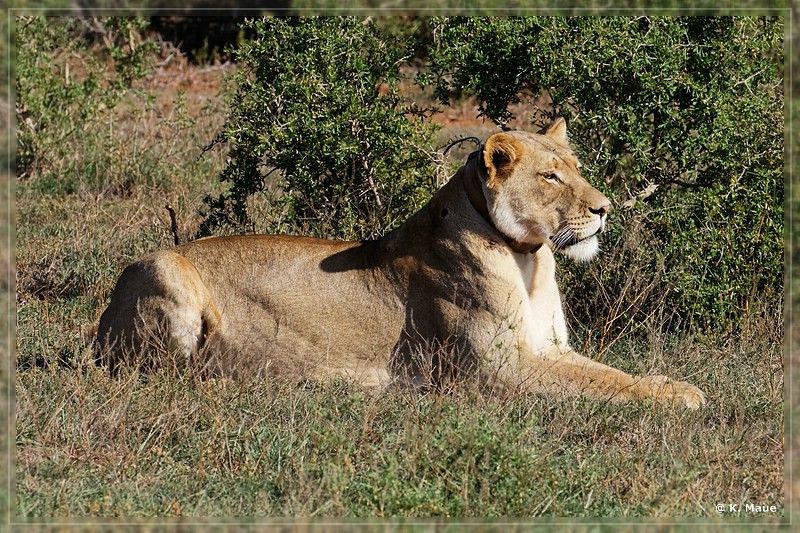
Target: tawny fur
x: 465, y: 286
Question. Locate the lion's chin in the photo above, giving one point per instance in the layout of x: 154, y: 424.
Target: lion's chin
x: 583, y: 251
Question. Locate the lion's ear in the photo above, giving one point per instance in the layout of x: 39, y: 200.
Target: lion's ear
x: 500, y: 153
x: 557, y: 130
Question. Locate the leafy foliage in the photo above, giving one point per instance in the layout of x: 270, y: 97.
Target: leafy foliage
x: 318, y: 106
x: 680, y: 119
x: 62, y: 87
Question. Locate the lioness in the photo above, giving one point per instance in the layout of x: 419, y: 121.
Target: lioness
x: 465, y: 286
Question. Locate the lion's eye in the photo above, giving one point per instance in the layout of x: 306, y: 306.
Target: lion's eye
x: 551, y: 176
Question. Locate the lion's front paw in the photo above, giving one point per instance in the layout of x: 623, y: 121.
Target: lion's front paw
x: 668, y: 390
x: 691, y: 396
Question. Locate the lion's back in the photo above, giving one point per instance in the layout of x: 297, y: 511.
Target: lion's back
x: 301, y: 305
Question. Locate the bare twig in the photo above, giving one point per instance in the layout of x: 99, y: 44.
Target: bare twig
x: 173, y: 225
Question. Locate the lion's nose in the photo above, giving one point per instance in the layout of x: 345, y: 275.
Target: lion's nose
x: 602, y: 210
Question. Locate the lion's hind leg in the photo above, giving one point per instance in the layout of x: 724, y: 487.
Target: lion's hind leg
x: 161, y: 314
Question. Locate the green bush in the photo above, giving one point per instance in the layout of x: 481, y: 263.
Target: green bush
x: 63, y: 89
x: 679, y: 119
x: 318, y: 128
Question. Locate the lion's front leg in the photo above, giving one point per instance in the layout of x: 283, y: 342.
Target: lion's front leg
x: 566, y: 372
x: 546, y: 363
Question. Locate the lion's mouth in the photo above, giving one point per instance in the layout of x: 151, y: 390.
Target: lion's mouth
x: 580, y: 249
x: 566, y: 237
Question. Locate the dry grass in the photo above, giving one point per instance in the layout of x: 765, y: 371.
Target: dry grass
x: 6, y: 333
x: 162, y: 446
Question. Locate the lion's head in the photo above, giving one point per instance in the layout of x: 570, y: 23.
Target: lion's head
x: 535, y: 193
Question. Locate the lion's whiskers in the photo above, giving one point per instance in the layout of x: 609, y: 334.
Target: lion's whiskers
x: 564, y: 236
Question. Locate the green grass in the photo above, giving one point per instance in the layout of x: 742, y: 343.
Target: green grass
x: 163, y: 446
x: 88, y: 445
